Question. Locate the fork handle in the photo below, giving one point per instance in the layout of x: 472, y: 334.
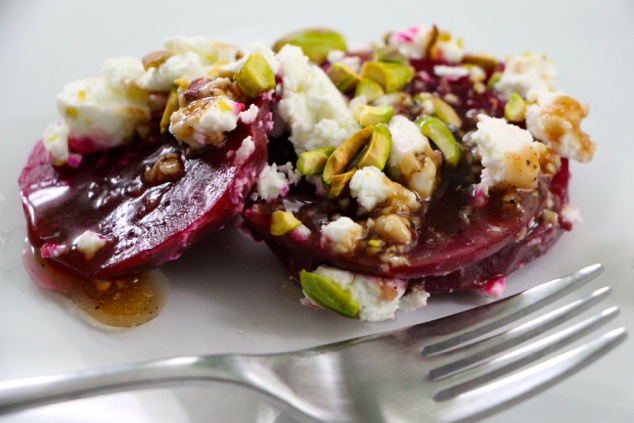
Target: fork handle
x: 21, y: 394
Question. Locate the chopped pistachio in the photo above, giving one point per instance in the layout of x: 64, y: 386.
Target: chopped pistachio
x: 373, y: 115
x: 313, y: 162
x: 170, y: 107
x: 378, y: 149
x: 515, y: 108
x: 255, y: 76
x: 315, y: 43
x: 327, y: 294
x: 339, y: 182
x: 445, y: 112
x: 390, y: 76
x: 370, y: 89
x: 155, y: 59
x: 390, y: 54
x: 495, y: 77
x: 283, y: 222
x: 344, y: 78
x: 441, y: 136
x: 346, y: 151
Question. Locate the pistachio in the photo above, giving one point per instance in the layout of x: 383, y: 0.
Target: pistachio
x: 255, y: 76
x: 441, y: 109
x: 378, y: 149
x: 283, y: 222
x: 327, y: 294
x: 155, y: 59
x: 390, y: 54
x: 373, y: 115
x: 441, y: 136
x: 370, y: 89
x: 344, y: 78
x: 390, y: 76
x: 485, y: 61
x: 313, y: 162
x: 315, y: 43
x: 346, y: 151
x: 515, y: 108
x: 339, y: 182
x: 495, y: 77
x: 171, y: 106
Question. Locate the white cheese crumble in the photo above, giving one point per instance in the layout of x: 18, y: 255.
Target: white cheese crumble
x: 510, y: 156
x: 555, y: 118
x: 55, y: 140
x: 88, y: 243
x: 570, y: 214
x: 378, y: 298
x: 451, y: 71
x: 248, y: 116
x: 370, y: 187
x: 275, y: 181
x: 192, y: 58
x: 411, y: 157
x: 204, y: 121
x: 312, y: 107
x: 246, y: 149
x: 342, y: 235
x: 100, y: 115
x: 526, y: 72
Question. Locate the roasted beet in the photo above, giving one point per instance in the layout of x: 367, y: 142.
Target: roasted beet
x: 149, y: 201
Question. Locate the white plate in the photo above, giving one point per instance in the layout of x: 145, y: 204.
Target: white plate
x: 216, y: 303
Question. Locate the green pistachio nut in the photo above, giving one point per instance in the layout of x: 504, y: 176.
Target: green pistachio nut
x: 327, y: 294
x: 446, y: 113
x: 313, y: 162
x: 344, y: 78
x: 390, y: 76
x: 255, y: 76
x: 515, y: 108
x: 370, y: 89
x: 379, y: 148
x: 390, y: 54
x: 339, y: 182
x: 315, y: 43
x: 373, y: 115
x: 283, y: 222
x: 495, y: 77
x: 441, y: 136
x: 344, y: 154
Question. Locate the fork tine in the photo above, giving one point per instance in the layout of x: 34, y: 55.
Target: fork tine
x: 514, y: 360
x: 507, y: 391
x: 481, y: 352
x: 486, y: 319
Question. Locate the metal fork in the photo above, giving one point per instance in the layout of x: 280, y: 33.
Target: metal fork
x: 455, y: 368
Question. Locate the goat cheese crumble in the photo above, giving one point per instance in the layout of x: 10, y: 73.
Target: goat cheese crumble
x: 510, y: 156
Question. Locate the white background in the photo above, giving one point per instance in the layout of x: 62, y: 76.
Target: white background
x: 216, y: 303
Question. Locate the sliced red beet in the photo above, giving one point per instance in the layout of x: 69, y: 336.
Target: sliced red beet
x: 146, y: 219
x: 454, y: 251
x: 460, y: 244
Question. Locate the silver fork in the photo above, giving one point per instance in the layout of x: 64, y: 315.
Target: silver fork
x: 455, y: 368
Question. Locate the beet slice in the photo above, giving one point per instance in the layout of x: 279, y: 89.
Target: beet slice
x: 450, y: 255
x: 460, y: 243
x: 146, y: 221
